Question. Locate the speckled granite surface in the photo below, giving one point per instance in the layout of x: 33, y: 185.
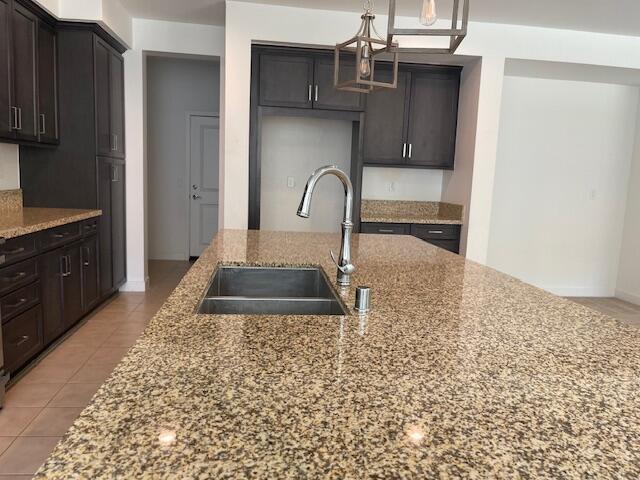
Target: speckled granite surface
x: 10, y: 201
x: 458, y: 372
x: 396, y: 211
x: 31, y: 220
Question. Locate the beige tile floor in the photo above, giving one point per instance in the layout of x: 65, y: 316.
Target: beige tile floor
x: 614, y: 307
x: 42, y: 405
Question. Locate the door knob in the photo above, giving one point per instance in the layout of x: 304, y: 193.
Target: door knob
x: 196, y: 197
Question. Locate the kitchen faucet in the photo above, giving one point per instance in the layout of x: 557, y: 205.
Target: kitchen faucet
x: 345, y: 267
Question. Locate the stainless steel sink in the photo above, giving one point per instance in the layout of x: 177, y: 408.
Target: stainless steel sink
x: 270, y: 291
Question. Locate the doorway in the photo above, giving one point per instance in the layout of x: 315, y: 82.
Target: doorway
x: 204, y: 166
x: 182, y: 123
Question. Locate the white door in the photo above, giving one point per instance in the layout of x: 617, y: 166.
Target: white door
x: 204, y: 188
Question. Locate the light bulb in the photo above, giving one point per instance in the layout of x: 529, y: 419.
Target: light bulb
x: 365, y: 62
x: 428, y: 14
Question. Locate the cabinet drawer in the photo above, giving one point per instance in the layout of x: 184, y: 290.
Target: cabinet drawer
x: 90, y: 227
x: 58, y: 236
x: 15, y: 249
x: 436, y: 232
x: 19, y: 301
x: 450, y: 245
x: 18, y: 275
x: 22, y: 339
x: 385, y: 228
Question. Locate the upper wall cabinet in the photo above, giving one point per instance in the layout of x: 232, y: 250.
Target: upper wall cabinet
x: 27, y: 76
x: 302, y: 81
x: 414, y: 125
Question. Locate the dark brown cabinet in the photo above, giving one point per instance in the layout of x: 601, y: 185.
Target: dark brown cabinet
x: 90, y: 284
x: 47, y: 85
x: 6, y: 113
x: 112, y: 228
x: 52, y: 267
x: 28, y: 77
x: 303, y: 81
x: 414, y: 125
x: 443, y: 236
x: 91, y: 112
x: 385, y: 121
x: 22, y: 338
x: 109, y: 99
x: 23, y: 42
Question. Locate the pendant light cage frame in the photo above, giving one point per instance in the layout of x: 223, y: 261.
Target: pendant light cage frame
x: 456, y: 33
x: 366, y: 35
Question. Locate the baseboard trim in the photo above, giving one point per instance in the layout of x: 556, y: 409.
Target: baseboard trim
x: 135, y: 286
x: 628, y: 297
x: 579, y: 291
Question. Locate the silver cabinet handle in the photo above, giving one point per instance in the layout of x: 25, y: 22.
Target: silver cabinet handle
x: 316, y: 95
x: 14, y: 110
x: 114, y: 142
x: 87, y: 255
x: 43, y: 124
x: 310, y: 91
x: 20, y: 302
x: 20, y: 340
x: 436, y: 232
x: 115, y: 136
x: 20, y: 118
x: 410, y: 149
x: 64, y: 266
x: 404, y: 150
x: 385, y: 230
x: 115, y: 175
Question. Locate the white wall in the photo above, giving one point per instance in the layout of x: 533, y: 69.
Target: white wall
x: 457, y: 184
x: 175, y: 86
x: 561, y: 182
x: 628, y: 287
x: 246, y: 22
x: 294, y: 147
x: 9, y: 167
x: 401, y: 184
x: 162, y: 37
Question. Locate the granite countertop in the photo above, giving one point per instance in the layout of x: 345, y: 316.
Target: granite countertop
x: 397, y: 211
x: 458, y: 372
x: 23, y: 221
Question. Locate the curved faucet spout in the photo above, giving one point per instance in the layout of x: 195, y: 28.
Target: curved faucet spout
x: 304, y: 209
x: 345, y: 268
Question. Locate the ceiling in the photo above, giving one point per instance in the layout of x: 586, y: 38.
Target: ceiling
x: 607, y: 16
x: 207, y: 12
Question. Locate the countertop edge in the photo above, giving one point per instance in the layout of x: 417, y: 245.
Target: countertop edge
x: 417, y: 221
x: 20, y: 231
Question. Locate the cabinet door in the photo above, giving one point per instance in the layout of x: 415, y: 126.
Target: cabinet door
x: 102, y: 59
x: 72, y: 286
x: 51, y: 268
x: 286, y: 81
x: 22, y: 339
x: 116, y: 93
x: 384, y: 130
x: 47, y: 85
x: 105, y: 172
x: 433, y: 119
x: 118, y: 239
x: 325, y: 95
x: 90, y: 289
x: 24, y: 72
x: 6, y: 114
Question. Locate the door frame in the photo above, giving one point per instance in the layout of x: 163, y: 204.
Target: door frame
x: 189, y: 114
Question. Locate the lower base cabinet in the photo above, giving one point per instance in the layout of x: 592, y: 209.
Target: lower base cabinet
x: 44, y: 296
x: 446, y: 237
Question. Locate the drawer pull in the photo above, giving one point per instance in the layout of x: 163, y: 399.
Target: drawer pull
x: 20, y: 340
x: 436, y: 232
x: 22, y: 301
x: 386, y: 230
x: 60, y: 235
x: 13, y: 252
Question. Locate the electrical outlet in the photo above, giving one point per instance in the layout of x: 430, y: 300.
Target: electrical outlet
x: 291, y: 182
x: 392, y: 186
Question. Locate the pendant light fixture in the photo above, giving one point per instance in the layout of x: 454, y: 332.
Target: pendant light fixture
x: 366, y: 45
x: 427, y: 16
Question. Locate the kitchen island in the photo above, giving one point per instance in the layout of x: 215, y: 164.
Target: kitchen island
x: 458, y: 371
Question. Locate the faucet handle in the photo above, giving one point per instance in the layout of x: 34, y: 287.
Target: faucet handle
x: 347, y: 269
